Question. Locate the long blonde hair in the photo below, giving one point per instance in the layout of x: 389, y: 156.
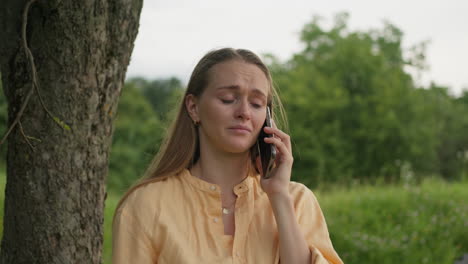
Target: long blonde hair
x: 180, y: 149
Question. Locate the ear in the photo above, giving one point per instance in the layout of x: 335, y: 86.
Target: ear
x: 191, y: 104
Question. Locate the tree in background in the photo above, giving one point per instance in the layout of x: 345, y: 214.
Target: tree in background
x: 354, y: 112
x: 449, y: 118
x: 162, y: 94
x: 74, y: 61
x: 138, y: 134
x: 145, y: 111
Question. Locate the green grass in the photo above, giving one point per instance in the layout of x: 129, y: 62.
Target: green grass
x: 427, y: 223
x: 111, y: 203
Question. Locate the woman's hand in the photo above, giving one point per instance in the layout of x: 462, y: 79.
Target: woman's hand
x: 280, y: 175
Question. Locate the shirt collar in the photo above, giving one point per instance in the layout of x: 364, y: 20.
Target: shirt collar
x: 244, y: 186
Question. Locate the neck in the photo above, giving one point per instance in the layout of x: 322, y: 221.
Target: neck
x: 224, y: 169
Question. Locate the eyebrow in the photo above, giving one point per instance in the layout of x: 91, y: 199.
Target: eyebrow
x: 237, y: 87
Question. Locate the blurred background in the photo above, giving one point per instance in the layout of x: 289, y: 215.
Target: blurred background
x: 376, y: 94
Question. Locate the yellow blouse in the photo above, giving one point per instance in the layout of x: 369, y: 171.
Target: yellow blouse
x: 179, y: 220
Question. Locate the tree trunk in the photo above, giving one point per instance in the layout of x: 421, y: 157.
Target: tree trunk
x: 55, y: 192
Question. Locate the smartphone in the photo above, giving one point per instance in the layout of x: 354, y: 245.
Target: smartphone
x: 267, y: 151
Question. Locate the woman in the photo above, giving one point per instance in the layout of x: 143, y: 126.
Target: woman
x: 202, y: 199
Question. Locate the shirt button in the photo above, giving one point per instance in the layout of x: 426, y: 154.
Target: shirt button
x: 215, y: 220
x: 212, y: 187
x: 237, y: 254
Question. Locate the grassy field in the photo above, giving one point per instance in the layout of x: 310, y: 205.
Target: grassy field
x: 427, y: 223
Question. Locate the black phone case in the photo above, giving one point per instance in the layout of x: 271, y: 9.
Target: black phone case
x: 266, y: 151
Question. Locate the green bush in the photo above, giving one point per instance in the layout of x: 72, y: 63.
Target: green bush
x: 427, y: 223
x: 355, y: 112
x: 111, y: 203
x: 138, y: 133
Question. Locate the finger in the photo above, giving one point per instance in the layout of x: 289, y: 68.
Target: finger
x: 283, y: 154
x: 283, y: 149
x: 280, y: 134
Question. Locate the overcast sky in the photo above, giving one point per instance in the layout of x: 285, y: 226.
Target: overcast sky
x: 175, y: 34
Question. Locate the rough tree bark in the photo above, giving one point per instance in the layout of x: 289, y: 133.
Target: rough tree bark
x: 54, y: 197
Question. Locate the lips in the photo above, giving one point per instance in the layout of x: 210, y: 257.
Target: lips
x: 241, y: 128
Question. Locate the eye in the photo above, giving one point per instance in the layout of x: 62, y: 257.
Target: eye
x: 257, y: 106
x: 227, y: 101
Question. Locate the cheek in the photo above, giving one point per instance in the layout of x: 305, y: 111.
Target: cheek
x: 259, y: 122
x: 212, y: 111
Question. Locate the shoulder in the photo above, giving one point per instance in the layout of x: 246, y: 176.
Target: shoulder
x: 297, y: 189
x: 145, y: 201
x: 302, y: 196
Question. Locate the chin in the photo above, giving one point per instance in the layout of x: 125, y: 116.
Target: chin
x: 237, y: 148
x: 235, y: 144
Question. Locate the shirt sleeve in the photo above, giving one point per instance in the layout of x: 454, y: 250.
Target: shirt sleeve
x: 130, y: 243
x: 313, y: 225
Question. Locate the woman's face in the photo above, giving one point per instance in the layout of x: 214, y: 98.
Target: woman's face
x: 232, y: 108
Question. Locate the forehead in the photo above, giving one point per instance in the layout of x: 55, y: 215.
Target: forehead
x: 237, y: 73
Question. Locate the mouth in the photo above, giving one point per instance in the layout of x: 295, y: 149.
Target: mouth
x: 241, y: 129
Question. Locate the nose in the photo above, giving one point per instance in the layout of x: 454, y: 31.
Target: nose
x: 243, y: 110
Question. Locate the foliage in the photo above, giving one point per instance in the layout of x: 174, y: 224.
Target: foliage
x: 449, y: 118
x: 355, y: 114
x: 424, y: 223
x: 162, y: 94
x: 111, y: 204
x: 138, y: 133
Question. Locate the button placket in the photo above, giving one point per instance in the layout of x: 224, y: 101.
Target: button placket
x: 240, y: 223
x: 243, y: 220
